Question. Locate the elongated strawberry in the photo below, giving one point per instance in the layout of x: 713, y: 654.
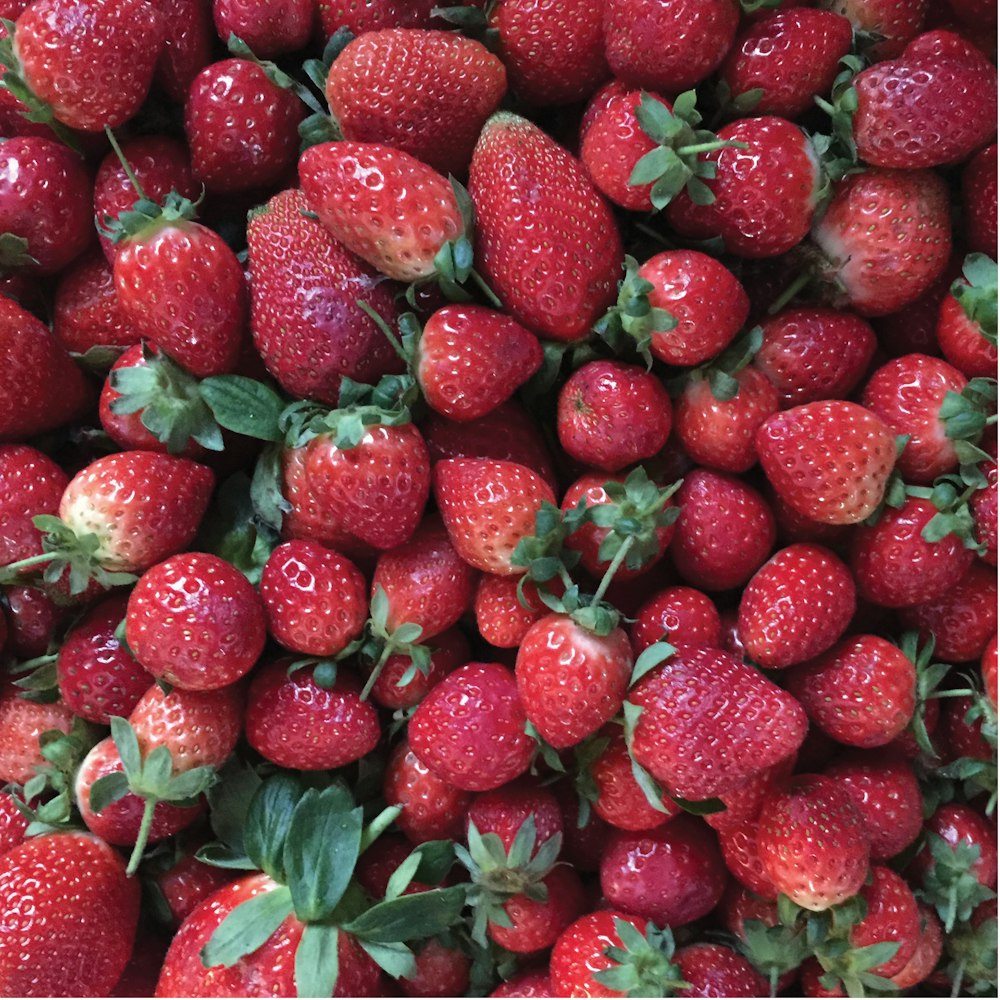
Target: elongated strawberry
x: 545, y: 239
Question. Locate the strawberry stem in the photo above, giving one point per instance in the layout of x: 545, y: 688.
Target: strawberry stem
x: 143, y: 838
x: 133, y: 180
x: 609, y: 573
x: 480, y: 283
x: 376, y: 670
x: 397, y: 345
x: 709, y: 147
x: 10, y: 572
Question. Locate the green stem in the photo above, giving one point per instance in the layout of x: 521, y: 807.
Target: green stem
x: 825, y: 105
x: 397, y: 345
x: 377, y: 669
x: 710, y: 147
x: 789, y: 293
x: 609, y: 573
x: 378, y: 826
x: 956, y: 983
x: 125, y: 164
x: 11, y: 571
x: 485, y: 289
x: 143, y: 838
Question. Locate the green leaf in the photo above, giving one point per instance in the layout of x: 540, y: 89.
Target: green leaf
x: 127, y: 744
x: 395, y: 958
x: 267, y: 823
x: 419, y: 915
x: 266, y: 494
x: 317, y: 962
x: 437, y: 858
x: 649, y: 659
x: 156, y: 770
x: 229, y: 802
x: 699, y: 807
x: 107, y: 789
x: 247, y: 927
x: 244, y: 406
x: 402, y: 876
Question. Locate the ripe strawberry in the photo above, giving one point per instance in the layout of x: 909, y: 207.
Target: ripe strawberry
x: 90, y: 61
x: 611, y: 415
x: 30, y: 483
x: 33, y: 618
x: 269, y: 29
x: 553, y: 49
x: 785, y: 60
x: 427, y: 93
x: 188, y: 45
x: 44, y: 204
x: 681, y: 616
x: 812, y: 842
x: 21, y: 723
x: 306, y: 720
x: 185, y: 884
x: 925, y: 959
x: 724, y: 533
x: 531, y: 983
x: 667, y: 46
x: 470, y: 359
x: 402, y: 683
x: 487, y: 508
x: 13, y: 823
x: 965, y: 326
x: 717, y: 967
x: 988, y: 666
x: 98, y: 676
x: 709, y: 721
x: 828, y: 460
x: 370, y: 15
x: 744, y: 802
x: 983, y: 505
x: 314, y: 598
x: 927, y: 108
x: 894, y: 564
x: 501, y: 618
x: 440, y: 971
x: 68, y: 906
x: 86, y: 313
x: 891, y: 24
x: 979, y: 199
x: 470, y: 728
x: 814, y: 353
x: 195, y: 622
x: 886, y: 235
x: 546, y: 240
x: 892, y: 915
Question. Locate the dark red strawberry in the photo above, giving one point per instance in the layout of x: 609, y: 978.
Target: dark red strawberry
x: 185, y: 884
x: 681, y: 616
x: 270, y: 29
x: 924, y: 960
x: 401, y: 683
x: 979, y: 198
x: 717, y: 969
x: 86, y: 313
x: 370, y: 15
x: 188, y: 45
x: 891, y: 24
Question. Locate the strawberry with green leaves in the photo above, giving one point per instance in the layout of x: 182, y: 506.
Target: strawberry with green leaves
x: 967, y: 325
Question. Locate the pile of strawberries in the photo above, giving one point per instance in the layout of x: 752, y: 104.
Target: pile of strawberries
x: 498, y: 499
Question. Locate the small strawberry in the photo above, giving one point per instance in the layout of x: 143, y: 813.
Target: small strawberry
x: 402, y: 682
x: 22, y: 722
x: 889, y: 24
x: 86, y: 313
x: 501, y: 618
x: 270, y: 29
x: 184, y: 883
x: 681, y: 616
x: 966, y: 327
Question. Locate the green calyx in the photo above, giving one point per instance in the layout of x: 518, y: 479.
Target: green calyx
x: 838, y: 151
x: 37, y: 679
x: 977, y: 294
x: 146, y: 217
x: 380, y: 644
x: 721, y: 372
x: 972, y: 951
x: 929, y: 678
x: 472, y: 21
x: 675, y: 164
x: 643, y: 964
x: 965, y: 416
x: 950, y: 885
x: 775, y: 950
x: 321, y: 126
x: 151, y: 778
x: 14, y: 253
x: 498, y: 874
x: 950, y: 495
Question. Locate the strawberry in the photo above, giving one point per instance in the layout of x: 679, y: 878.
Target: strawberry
x: 828, y: 460
x: 440, y: 970
x: 708, y: 721
x: 307, y: 719
x: 314, y: 598
x: 470, y: 359
x: 667, y: 46
x: 681, y: 616
x: 21, y: 724
x: 186, y: 883
x: 983, y: 505
x: 370, y: 15
x: 270, y: 29
x: 886, y: 236
x: 814, y: 353
x: 927, y: 108
x: 928, y: 952
x: 195, y: 622
x: 401, y: 681
x: 781, y: 62
x: 892, y: 916
x: 671, y: 875
x: 30, y: 483
x: 98, y: 676
x: 724, y: 533
x: 812, y: 842
x: 979, y: 196
x: 241, y: 126
x: 44, y: 204
x: 86, y: 312
x: 501, y: 618
x: 739, y: 851
x: 546, y: 240
x: 989, y: 670
x: 487, y: 508
x: 469, y: 729
x: 890, y: 24
x: 966, y: 328
x: 68, y: 906
x: 188, y: 45
x: 553, y: 49
x: 305, y: 291
x: 427, y: 93
x: 89, y: 62
x: 717, y: 967
x: 744, y: 803
x: 13, y: 823
x: 33, y: 618
x: 611, y: 415
x: 531, y: 983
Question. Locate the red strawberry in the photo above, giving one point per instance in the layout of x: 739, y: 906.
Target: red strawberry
x: 989, y: 670
x: 814, y: 353
x: 427, y: 93
x: 188, y: 45
x: 241, y: 126
x: 470, y: 359
x: 370, y: 15
x: 30, y: 483
x: 787, y: 58
x: 724, y: 533
x: 196, y: 622
x: 185, y: 884
x: 98, y: 676
x: 965, y: 327
x: 487, y: 508
x: 983, y: 505
x: 33, y: 618
x: 667, y: 45
x: 890, y: 23
x: 546, y: 241
x: 812, y: 842
x: 744, y: 803
x: 307, y: 720
x: 709, y: 721
x: 470, y: 728
x: 13, y: 823
x: 403, y: 684
x: 979, y: 199
x: 21, y: 723
x: 304, y: 313
x: 441, y: 971
x: 44, y: 204
x: 553, y: 49
x: 571, y: 679
x: 611, y: 415
x: 314, y: 598
x: 86, y: 313
x: 270, y: 29
x: 716, y: 967
x: 925, y: 959
x: 828, y: 460
x: 501, y: 618
x: 90, y: 61
x: 892, y: 915
x: 68, y: 906
x: 681, y: 616
x: 886, y: 235
x: 531, y: 983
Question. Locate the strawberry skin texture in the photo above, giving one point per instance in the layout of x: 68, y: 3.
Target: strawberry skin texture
x: 86, y: 312
x: 21, y: 723
x: 581, y: 950
x: 68, y: 906
x: 92, y: 61
x: 143, y: 506
x: 269, y: 29
x: 710, y: 721
x: 30, y: 484
x: 425, y: 92
x: 546, y: 240
x: 979, y: 201
x: 370, y: 15
x: 828, y: 460
x: 716, y: 968
x: 892, y: 915
x: 188, y: 48
x: 383, y: 204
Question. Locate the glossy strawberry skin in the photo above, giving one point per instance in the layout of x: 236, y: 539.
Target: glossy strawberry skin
x: 546, y: 241
x: 269, y: 29
x: 892, y: 915
x: 69, y: 905
x: 709, y: 721
x: 536, y: 924
x: 963, y: 342
x: 86, y: 313
x: 501, y: 618
x: 504, y: 810
x: 295, y: 723
x: 187, y: 883
x: 681, y: 616
x: 470, y: 728
x: 21, y: 723
x: 449, y: 651
x: 425, y: 92
x: 92, y: 61
x: 581, y: 950
x: 13, y: 823
x: 893, y: 23
x: 30, y: 484
x: 956, y: 823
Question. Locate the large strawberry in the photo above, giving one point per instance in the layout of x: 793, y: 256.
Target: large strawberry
x: 545, y: 240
